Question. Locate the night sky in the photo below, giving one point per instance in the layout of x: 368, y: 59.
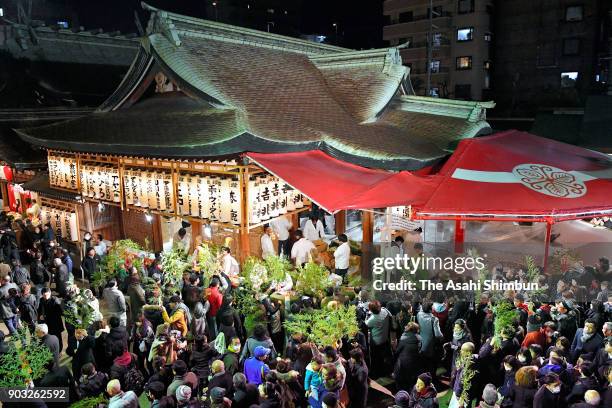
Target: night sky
x: 359, y: 21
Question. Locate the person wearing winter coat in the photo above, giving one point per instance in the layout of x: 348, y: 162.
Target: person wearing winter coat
x: 38, y: 273
x: 220, y: 378
x: 489, y: 397
x: 603, y: 360
x: 92, y: 382
x: 313, y: 381
x: 587, y: 342
x: 180, y: 316
x: 550, y: 393
x: 510, y: 366
x: 19, y: 274
x: 123, y: 361
x: 137, y: 296
x: 461, y: 335
x: 357, y: 382
x: 586, y: 381
x: 198, y: 326
x: 201, y: 356
x: 49, y: 340
x: 565, y: 319
x: 84, y: 352
x: 6, y: 310
x: 522, y: 392
x: 407, y: 358
x: 117, y: 336
x: 259, y: 338
x: 467, y: 356
x: 50, y: 312
x: 423, y: 394
x: 379, y: 324
x: 28, y: 306
x: 115, y: 302
x: 492, y: 354
x: 245, y: 395
x: 429, y: 328
x: 61, y: 277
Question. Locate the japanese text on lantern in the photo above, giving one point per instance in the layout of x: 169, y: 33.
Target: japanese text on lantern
x: 62, y: 171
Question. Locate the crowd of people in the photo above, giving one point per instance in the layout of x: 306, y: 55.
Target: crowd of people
x: 192, y: 348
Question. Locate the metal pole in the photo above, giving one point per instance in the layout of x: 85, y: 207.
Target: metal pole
x: 547, y: 244
x: 429, y: 48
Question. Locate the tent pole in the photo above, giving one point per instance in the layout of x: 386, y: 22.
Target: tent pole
x: 367, y: 229
x: 547, y: 244
x: 459, y: 236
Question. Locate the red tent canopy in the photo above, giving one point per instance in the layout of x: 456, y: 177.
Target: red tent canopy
x: 335, y: 185
x: 519, y: 176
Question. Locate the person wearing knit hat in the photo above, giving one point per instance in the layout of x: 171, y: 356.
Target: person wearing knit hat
x: 217, y: 394
x: 423, y: 393
x: 402, y: 399
x: 183, y: 395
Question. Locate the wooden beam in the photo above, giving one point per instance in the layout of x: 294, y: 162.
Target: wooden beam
x: 340, y: 218
x: 245, y: 244
x: 367, y: 226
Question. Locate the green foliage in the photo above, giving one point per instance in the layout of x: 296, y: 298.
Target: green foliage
x: 467, y: 375
x: 90, y: 402
x: 277, y: 267
x: 208, y: 260
x: 115, y: 259
x: 174, y: 263
x: 324, y: 327
x: 78, y: 312
x: 312, y: 279
x: 249, y: 307
x: 256, y: 272
x: 24, y: 361
x: 505, y: 318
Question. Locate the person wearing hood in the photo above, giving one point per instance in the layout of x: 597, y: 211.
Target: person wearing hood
x: 407, y: 357
x: 586, y: 342
x: 423, y: 394
x: 123, y: 361
x: 586, y: 381
x: 180, y: 316
x: 550, y: 393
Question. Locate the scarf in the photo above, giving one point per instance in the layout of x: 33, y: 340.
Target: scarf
x: 586, y: 336
x: 458, y: 335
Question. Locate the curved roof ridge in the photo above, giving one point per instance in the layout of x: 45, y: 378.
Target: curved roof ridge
x: 165, y: 21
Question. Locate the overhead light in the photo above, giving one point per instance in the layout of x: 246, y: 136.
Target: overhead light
x: 101, y: 207
x: 148, y: 217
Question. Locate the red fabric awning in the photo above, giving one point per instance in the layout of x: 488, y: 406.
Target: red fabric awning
x: 336, y: 185
x: 516, y: 175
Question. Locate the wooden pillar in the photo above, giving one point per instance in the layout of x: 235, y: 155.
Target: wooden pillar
x: 367, y: 226
x: 5, y: 196
x: 157, y: 243
x: 459, y: 236
x: 340, y: 217
x: 196, y: 229
x: 547, y: 244
x: 245, y: 244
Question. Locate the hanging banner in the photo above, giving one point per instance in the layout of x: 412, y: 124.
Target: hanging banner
x: 64, y: 223
x: 62, y: 171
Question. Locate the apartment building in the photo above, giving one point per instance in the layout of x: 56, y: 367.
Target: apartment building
x: 461, y: 38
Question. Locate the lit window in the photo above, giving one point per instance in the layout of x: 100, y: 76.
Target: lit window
x: 1, y: 12
x: 437, y: 39
x: 435, y: 66
x: 571, y: 46
x: 569, y: 79
x: 434, y: 92
x: 487, y: 65
x: 464, y: 62
x: 487, y: 80
x: 465, y: 34
x: 271, y: 11
x: 465, y: 6
x: 62, y: 23
x: 488, y: 37
x: 573, y: 13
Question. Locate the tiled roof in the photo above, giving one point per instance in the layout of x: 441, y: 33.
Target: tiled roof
x: 266, y: 93
x: 16, y: 153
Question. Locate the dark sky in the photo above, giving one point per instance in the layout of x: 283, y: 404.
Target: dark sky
x: 360, y: 21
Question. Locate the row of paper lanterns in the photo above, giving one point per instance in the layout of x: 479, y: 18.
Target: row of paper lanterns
x: 64, y: 223
x: 100, y: 182
x: 149, y: 189
x: 269, y: 197
x: 62, y: 172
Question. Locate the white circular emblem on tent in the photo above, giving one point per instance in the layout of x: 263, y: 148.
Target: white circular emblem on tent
x: 549, y: 180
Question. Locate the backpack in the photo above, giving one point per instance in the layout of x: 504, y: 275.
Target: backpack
x: 134, y: 380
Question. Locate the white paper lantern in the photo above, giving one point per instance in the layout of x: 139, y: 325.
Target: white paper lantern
x: 184, y: 194
x: 74, y: 228
x: 194, y: 199
x: 127, y: 187
x: 253, y: 202
x: 64, y: 224
x: 213, y: 198
x: 152, y: 199
x: 235, y: 202
x: 168, y: 192
x: 224, y: 204
x: 203, y: 197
